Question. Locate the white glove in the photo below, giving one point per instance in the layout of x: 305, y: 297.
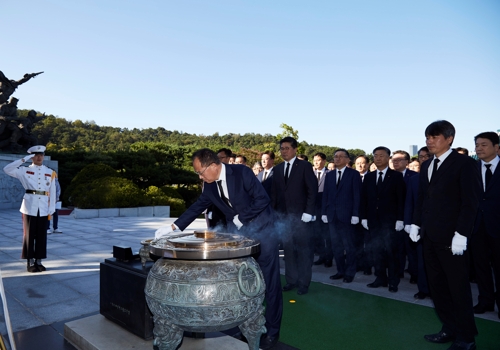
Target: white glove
x: 407, y: 228
x: 458, y: 244
x: 28, y: 157
x: 209, y: 215
x: 399, y: 225
x: 354, y: 220
x: 414, y: 236
x: 364, y: 223
x: 324, y: 218
x: 165, y: 231
x: 306, y: 217
x: 237, y: 222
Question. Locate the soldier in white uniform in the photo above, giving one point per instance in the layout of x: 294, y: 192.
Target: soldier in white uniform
x: 39, y: 201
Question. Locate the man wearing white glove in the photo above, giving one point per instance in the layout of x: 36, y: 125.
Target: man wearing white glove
x: 39, y: 201
x: 293, y: 195
x: 237, y: 192
x: 341, y: 198
x: 382, y: 206
x: 448, y: 197
x: 322, y: 240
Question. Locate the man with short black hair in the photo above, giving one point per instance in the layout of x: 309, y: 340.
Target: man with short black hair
x: 381, y: 211
x: 340, y: 211
x: 235, y: 190
x: 322, y: 240
x: 265, y: 176
x: 485, y: 245
x: 448, y: 197
x: 293, y: 196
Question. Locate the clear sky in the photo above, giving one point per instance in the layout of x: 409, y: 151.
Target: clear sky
x: 352, y: 74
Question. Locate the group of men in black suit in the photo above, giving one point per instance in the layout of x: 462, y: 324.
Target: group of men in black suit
x: 286, y: 198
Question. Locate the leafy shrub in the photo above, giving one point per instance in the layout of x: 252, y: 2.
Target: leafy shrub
x: 81, y: 182
x: 108, y: 192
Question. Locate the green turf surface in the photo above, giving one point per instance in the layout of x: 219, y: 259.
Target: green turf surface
x: 330, y: 317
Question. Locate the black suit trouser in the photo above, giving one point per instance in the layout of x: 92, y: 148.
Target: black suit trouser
x: 298, y: 249
x: 485, y: 250
x: 34, y: 237
x: 449, y: 285
x: 322, y: 241
x: 384, y: 243
x: 343, y: 240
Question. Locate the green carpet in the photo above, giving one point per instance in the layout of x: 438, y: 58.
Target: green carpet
x: 330, y: 317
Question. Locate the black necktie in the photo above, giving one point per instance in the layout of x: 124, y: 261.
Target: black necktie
x: 435, y: 168
x: 379, y: 181
x: 287, y: 171
x: 222, y: 195
x: 338, y: 180
x: 362, y: 177
x: 265, y: 176
x: 487, y: 176
x: 319, y: 175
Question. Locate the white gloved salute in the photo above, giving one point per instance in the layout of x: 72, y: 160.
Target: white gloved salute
x: 458, y: 244
x: 166, y: 231
x: 354, y: 220
x: 414, y: 236
x: 324, y: 218
x: 399, y: 225
x: 28, y: 157
x: 364, y: 223
x: 306, y: 217
x: 237, y: 222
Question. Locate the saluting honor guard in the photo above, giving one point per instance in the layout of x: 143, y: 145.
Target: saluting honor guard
x: 39, y: 201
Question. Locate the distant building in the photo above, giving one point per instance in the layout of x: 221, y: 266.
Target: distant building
x: 413, y: 150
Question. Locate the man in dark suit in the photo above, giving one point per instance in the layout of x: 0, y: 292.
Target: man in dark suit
x: 485, y: 245
x: 340, y: 209
x: 415, y: 249
x: 364, y: 259
x: 400, y: 161
x: 322, y: 240
x: 265, y: 176
x: 382, y: 213
x: 448, y: 197
x: 235, y: 190
x: 293, y: 196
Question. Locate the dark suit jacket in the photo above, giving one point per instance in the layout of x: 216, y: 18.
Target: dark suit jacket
x: 386, y: 206
x: 449, y: 203
x: 408, y: 174
x: 299, y: 194
x: 247, y: 196
x: 411, y: 197
x: 489, y: 204
x: 269, y: 180
x: 342, y: 203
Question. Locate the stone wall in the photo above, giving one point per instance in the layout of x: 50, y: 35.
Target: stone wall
x: 11, y: 191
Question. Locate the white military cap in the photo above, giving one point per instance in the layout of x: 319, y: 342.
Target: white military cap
x: 36, y: 149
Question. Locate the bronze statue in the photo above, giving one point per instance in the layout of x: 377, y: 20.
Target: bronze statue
x: 9, y: 131
x: 7, y: 86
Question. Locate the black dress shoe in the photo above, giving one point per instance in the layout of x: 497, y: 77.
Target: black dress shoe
x: 440, y: 337
x: 348, y: 279
x: 421, y: 295
x: 460, y: 345
x: 267, y: 342
x: 302, y: 290
x: 481, y: 308
x: 328, y: 263
x: 376, y: 284
x: 33, y: 268
x: 337, y: 276
x: 393, y: 289
x: 40, y: 267
x: 319, y: 261
x: 413, y: 280
x: 288, y: 287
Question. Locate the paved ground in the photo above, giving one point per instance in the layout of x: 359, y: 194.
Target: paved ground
x: 69, y: 289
